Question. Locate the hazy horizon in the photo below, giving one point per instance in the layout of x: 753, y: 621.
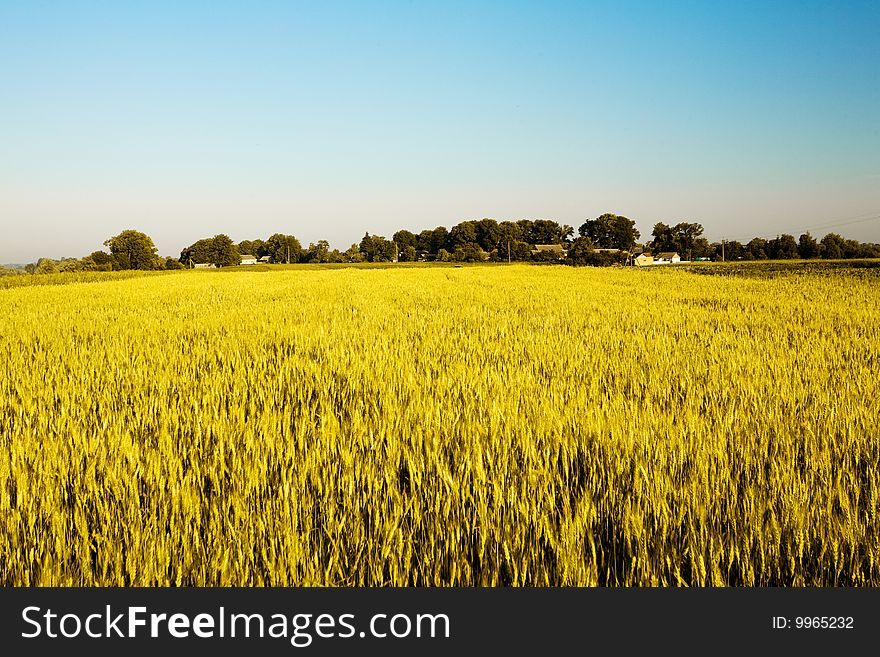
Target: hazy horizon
x: 327, y: 121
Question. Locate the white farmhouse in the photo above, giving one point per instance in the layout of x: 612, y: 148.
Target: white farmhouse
x: 248, y: 260
x: 666, y: 258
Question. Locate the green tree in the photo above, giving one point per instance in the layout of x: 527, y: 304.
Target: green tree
x: 251, y: 247
x: 353, y: 254
x: 404, y: 238
x: 757, y: 248
x: 509, y: 234
x: 685, y: 238
x: 69, y: 265
x: 832, y: 246
x: 46, y: 266
x: 611, y: 231
x: 409, y: 254
x: 544, y: 231
x: 376, y: 248
x: 470, y: 252
x: 319, y: 252
x: 784, y: 247
x: 132, y: 249
x: 581, y: 251
x: 488, y: 234
x: 223, y: 251
x: 808, y: 247
x: 197, y: 253
x: 461, y: 235
x: 283, y: 248
x: 100, y: 261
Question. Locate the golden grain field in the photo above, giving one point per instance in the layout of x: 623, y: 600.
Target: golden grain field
x: 478, y: 426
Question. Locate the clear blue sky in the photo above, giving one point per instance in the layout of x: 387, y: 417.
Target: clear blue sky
x: 328, y: 119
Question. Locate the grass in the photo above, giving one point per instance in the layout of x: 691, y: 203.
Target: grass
x: 441, y: 426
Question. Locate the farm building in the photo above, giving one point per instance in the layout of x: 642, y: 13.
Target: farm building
x: 204, y: 265
x: 643, y: 260
x: 267, y: 260
x: 248, y: 260
x: 667, y: 257
x: 557, y: 249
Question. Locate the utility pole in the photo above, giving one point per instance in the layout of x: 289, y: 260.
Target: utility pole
x: 508, y: 252
x: 722, y: 250
x: 288, y: 254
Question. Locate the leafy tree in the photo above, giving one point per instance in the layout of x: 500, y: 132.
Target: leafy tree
x: 171, y: 263
x: 488, y: 234
x: 132, y: 249
x: 376, y: 248
x: 731, y: 250
x: 758, y: 248
x: 610, y: 231
x: 784, y: 247
x: 583, y: 253
x: 685, y: 238
x: 223, y: 251
x: 544, y: 231
x: 520, y: 251
x: 319, y: 252
x: 87, y: 264
x: 251, y: 247
x: 69, y: 265
x: 470, y: 253
x: 808, y: 247
x: 197, y: 253
x: 353, y: 254
x: 443, y: 255
x: 852, y: 249
x: 833, y: 246
x: 408, y: 254
x: 336, y: 256
x: 99, y: 261
x: 404, y: 238
x: 283, y: 248
x: 423, y: 241
x: 509, y: 234
x: 580, y: 251
x: 46, y: 266
x: 218, y: 250
x: 461, y: 235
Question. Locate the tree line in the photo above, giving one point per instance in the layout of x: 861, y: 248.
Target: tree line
x: 606, y: 240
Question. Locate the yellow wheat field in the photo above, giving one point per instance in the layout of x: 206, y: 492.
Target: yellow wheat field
x: 477, y: 426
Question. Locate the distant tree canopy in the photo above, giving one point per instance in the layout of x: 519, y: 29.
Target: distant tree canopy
x: 544, y: 231
x: 321, y: 253
x: 283, y: 248
x: 252, y: 247
x: 468, y: 241
x: 132, y: 249
x: 784, y: 247
x: 683, y: 238
x: 610, y: 231
x: 218, y: 250
x: 375, y: 248
x: 808, y: 247
x: 404, y: 239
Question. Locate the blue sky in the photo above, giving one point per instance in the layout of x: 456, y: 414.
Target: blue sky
x: 328, y: 119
